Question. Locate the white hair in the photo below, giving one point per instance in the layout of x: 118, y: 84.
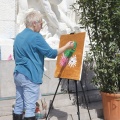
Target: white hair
x: 32, y: 16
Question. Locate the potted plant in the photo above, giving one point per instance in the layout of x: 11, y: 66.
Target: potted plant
x: 101, y: 19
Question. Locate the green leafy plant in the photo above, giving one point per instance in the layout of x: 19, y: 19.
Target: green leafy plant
x: 101, y: 19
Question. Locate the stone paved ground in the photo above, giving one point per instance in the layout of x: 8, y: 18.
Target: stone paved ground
x: 63, y: 109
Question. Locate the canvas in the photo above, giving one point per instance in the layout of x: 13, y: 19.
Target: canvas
x: 69, y: 63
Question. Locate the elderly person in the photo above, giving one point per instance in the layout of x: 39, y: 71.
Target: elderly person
x: 29, y: 49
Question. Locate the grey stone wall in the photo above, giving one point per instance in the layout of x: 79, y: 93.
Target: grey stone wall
x: 7, y: 87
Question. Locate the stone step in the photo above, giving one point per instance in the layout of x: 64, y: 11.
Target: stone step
x: 6, y: 107
x: 6, y: 117
x: 62, y: 111
x: 63, y: 107
x: 97, y: 119
x: 62, y: 100
x: 68, y: 117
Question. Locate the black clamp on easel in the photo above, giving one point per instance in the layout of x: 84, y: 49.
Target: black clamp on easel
x: 78, y: 111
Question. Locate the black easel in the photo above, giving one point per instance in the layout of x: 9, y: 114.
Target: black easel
x: 78, y: 112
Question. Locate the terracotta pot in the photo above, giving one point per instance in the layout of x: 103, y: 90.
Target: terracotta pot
x: 111, y: 106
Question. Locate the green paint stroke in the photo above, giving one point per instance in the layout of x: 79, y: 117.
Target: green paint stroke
x: 68, y: 53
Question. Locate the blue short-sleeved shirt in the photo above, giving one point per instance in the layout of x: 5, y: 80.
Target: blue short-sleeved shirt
x: 29, y: 50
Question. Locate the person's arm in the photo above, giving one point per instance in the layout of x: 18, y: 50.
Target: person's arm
x: 69, y: 45
x: 43, y: 47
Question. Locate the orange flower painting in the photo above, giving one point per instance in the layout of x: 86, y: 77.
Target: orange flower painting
x: 69, y: 63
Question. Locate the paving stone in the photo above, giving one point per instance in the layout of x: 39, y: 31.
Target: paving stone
x: 8, y: 117
x: 66, y: 117
x: 63, y: 109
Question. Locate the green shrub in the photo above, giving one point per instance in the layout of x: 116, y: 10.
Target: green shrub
x: 101, y: 19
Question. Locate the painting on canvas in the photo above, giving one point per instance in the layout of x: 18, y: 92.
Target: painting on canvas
x: 69, y: 63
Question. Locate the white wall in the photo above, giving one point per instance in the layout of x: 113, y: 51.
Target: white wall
x: 7, y: 18
x: 7, y: 27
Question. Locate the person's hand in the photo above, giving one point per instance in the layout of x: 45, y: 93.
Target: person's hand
x: 70, y: 45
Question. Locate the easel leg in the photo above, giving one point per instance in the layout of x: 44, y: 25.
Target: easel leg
x: 78, y: 112
x: 85, y: 100
x: 53, y: 98
x: 68, y: 89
